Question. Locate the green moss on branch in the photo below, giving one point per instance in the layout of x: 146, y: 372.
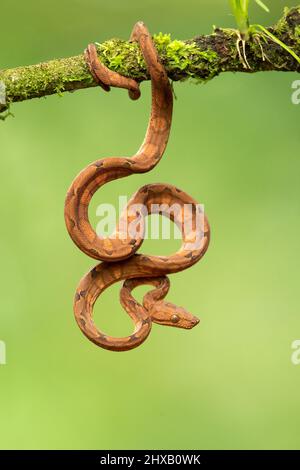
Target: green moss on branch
x: 201, y: 59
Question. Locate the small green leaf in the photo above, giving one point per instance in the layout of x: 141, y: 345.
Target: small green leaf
x: 280, y: 43
x: 262, y: 5
x: 240, y: 11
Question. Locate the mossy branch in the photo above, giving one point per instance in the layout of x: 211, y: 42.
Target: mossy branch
x: 201, y: 59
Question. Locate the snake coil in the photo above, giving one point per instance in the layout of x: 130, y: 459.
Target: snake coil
x: 118, y: 252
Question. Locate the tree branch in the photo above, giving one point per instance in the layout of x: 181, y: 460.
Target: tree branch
x: 201, y: 58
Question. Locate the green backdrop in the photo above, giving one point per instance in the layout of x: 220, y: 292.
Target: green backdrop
x: 230, y: 382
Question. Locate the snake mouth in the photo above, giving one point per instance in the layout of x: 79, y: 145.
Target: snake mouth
x: 195, y: 321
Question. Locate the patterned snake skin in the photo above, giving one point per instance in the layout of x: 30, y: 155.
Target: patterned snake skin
x: 118, y: 252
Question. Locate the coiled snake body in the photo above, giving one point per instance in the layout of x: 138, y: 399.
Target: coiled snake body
x: 118, y: 252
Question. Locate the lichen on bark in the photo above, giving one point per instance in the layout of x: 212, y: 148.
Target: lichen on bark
x: 201, y: 59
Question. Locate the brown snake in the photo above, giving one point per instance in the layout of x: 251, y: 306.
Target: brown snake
x: 118, y: 252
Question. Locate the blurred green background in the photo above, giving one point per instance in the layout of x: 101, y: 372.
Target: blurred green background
x: 229, y: 383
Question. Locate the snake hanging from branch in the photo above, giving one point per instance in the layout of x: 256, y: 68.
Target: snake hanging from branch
x: 118, y: 252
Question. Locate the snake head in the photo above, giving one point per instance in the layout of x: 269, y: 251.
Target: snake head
x: 166, y: 313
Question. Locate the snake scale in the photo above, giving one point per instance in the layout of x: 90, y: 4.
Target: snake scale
x: 117, y: 253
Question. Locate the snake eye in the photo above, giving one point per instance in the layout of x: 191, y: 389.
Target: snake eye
x: 174, y: 318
